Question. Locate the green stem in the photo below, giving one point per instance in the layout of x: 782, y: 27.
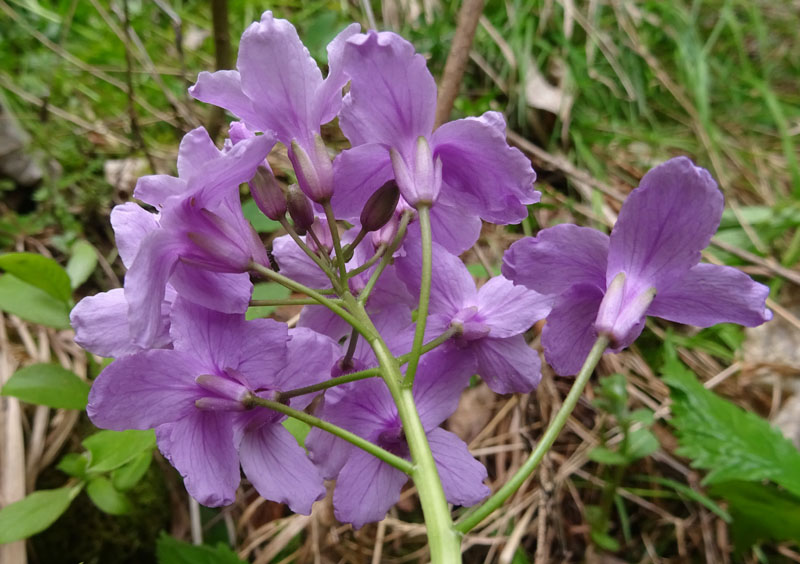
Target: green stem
x: 430, y: 345
x: 337, y: 243
x: 424, y: 295
x: 319, y: 298
x: 311, y: 254
x: 333, y: 382
x: 444, y: 543
x: 348, y: 250
x: 372, y: 260
x: 471, y: 520
x: 292, y: 301
x: 387, y: 257
x: 400, y: 463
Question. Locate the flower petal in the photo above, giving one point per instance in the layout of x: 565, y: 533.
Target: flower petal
x: 131, y: 224
x: 101, y: 324
x: 569, y: 333
x: 155, y: 189
x: 329, y: 94
x: 279, y: 469
x: 663, y: 225
x: 442, y: 376
x: 558, y: 257
x: 392, y: 98
x: 295, y: 264
x: 709, y: 294
x: 462, y: 476
x: 224, y: 89
x: 310, y: 358
x: 357, y: 173
x: 200, y: 446
x: 366, y: 489
x: 145, y: 390
x: 222, y: 291
x: 510, y: 310
x: 493, y: 180
x: 507, y: 365
x: 451, y: 227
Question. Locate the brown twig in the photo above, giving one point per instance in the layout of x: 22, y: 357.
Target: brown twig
x: 222, y: 56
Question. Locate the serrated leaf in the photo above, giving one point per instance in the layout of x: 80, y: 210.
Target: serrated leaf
x: 32, y: 303
x: 260, y: 222
x: 733, y: 444
x: 73, y: 464
x: 34, y: 513
x: 129, y: 474
x: 81, y: 263
x: 48, y: 384
x: 39, y: 271
x: 266, y: 291
x: 605, y: 455
x: 111, y: 449
x: 172, y: 551
x: 103, y: 494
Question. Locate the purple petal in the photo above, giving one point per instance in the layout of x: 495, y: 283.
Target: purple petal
x: 493, y: 180
x: 295, y: 264
x: 510, y: 310
x: 357, y: 173
x: 195, y: 151
x: 392, y: 98
x: 310, y: 358
x: 279, y: 468
x: 507, y: 365
x: 101, y: 324
x: 709, y: 294
x: 663, y: 225
x: 462, y: 476
x: 280, y: 76
x: 451, y: 227
x: 442, y: 376
x: 366, y: 489
x: 328, y: 452
x: 366, y: 408
x: 569, y: 333
x: 155, y: 189
x: 223, y: 292
x: 144, y: 390
x: 200, y: 446
x: 557, y: 258
x: 131, y: 224
x: 329, y: 94
x: 322, y: 320
x: 224, y: 89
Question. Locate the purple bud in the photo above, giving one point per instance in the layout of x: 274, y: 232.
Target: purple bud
x: 622, y: 309
x: 300, y: 210
x: 323, y: 235
x: 380, y: 207
x: 421, y: 182
x: 314, y: 171
x: 386, y: 234
x: 267, y: 194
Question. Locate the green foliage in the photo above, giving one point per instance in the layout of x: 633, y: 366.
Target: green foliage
x: 105, y: 496
x: 298, y: 429
x: 34, y: 513
x: 128, y: 475
x: 266, y: 291
x: 733, y: 444
x: 173, y: 551
x: 48, y: 384
x: 31, y: 303
x: 260, y: 222
x: 81, y: 263
x: 111, y: 449
x: 39, y: 271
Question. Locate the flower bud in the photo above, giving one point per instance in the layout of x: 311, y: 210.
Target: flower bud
x: 267, y: 194
x: 314, y: 171
x: 323, y: 235
x: 380, y: 207
x: 300, y: 210
x: 386, y: 234
x: 420, y: 184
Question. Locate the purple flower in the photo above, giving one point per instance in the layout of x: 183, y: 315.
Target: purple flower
x: 648, y: 266
x: 490, y: 321
x: 279, y: 88
x: 192, y: 396
x: 201, y: 244
x: 367, y: 487
x: 465, y: 166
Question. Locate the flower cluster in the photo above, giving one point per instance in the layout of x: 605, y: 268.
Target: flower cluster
x: 189, y: 365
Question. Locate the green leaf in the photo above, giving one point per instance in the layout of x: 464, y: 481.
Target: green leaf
x: 31, y: 303
x: 73, y: 464
x: 173, y: 551
x: 641, y: 442
x: 605, y: 455
x: 39, y: 271
x: 733, y: 444
x: 129, y: 474
x: 103, y: 494
x: 298, y: 429
x: 33, y: 514
x: 112, y: 449
x: 48, y: 384
x: 266, y: 291
x: 643, y: 415
x: 81, y: 263
x: 760, y: 513
x: 692, y: 494
x: 260, y: 222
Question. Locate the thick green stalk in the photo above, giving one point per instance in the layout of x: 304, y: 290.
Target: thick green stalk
x: 311, y: 254
x: 291, y: 301
x: 333, y: 382
x: 387, y: 257
x: 400, y: 463
x: 337, y: 243
x: 471, y: 520
x: 424, y: 295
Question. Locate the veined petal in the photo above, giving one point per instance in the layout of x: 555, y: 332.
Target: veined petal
x: 145, y: 390
x: 462, y: 476
x: 557, y: 258
x: 224, y: 89
x: 510, y: 310
x: 310, y: 358
x: 569, y: 333
x: 131, y: 224
x: 279, y: 468
x: 295, y: 264
x: 155, y: 189
x: 451, y: 227
x: 442, y: 376
x: 709, y: 294
x: 507, y: 365
x: 357, y: 173
x: 663, y: 225
x: 195, y: 151
x: 478, y: 162
x: 392, y: 98
x: 220, y: 291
